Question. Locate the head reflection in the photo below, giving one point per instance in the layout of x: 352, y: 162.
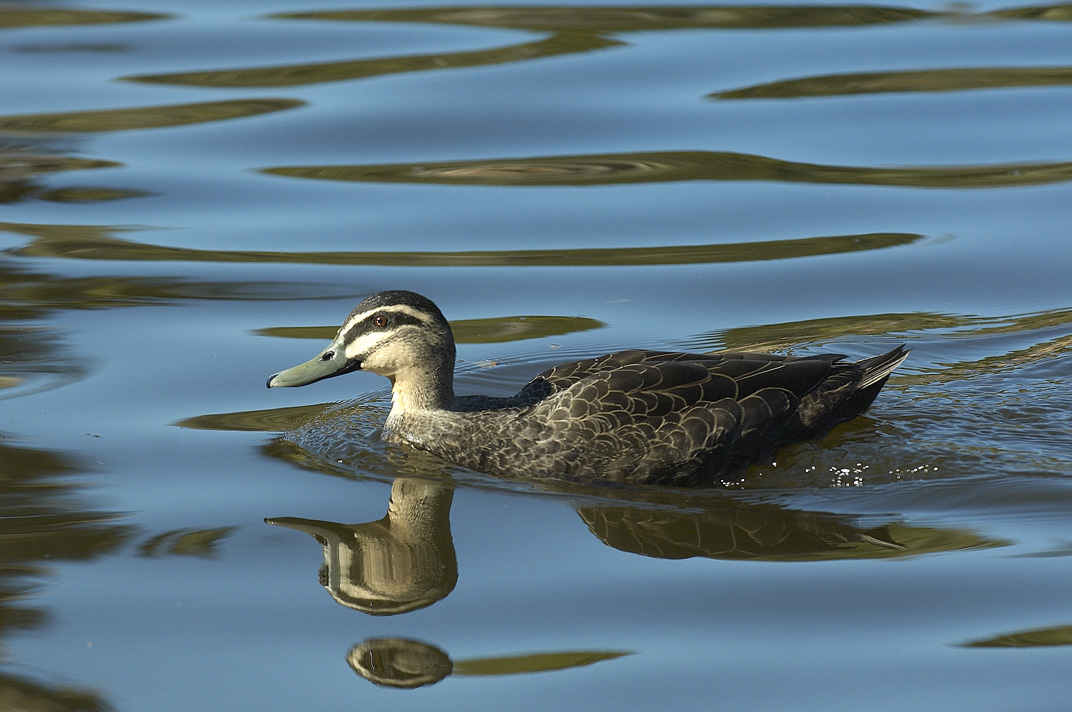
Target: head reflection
x: 399, y: 662
x: 393, y: 565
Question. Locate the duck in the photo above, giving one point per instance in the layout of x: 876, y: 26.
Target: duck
x: 638, y: 417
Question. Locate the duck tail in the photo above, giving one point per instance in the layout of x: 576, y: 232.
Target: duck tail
x: 878, y: 368
x: 875, y: 372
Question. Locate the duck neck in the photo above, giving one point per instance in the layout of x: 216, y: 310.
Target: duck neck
x: 415, y: 390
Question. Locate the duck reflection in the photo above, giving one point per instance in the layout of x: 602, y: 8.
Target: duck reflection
x: 670, y: 525
x: 406, y: 663
x: 393, y: 565
x: 406, y: 560
x: 399, y: 662
x: 735, y: 530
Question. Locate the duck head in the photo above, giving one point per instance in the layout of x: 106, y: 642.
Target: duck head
x: 398, y: 334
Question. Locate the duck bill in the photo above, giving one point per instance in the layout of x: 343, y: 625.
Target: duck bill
x: 327, y: 365
x: 322, y: 530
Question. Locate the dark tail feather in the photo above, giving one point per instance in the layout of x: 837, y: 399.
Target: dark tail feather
x: 879, y: 368
x: 876, y: 370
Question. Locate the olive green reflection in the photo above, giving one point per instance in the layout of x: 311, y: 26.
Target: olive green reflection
x: 928, y: 80
x: 20, y: 169
x: 200, y: 543
x: 1035, y: 638
x: 302, y: 74
x: 42, y: 522
x: 90, y: 194
x: 18, y: 694
x: 32, y: 358
x: 39, y: 516
x: 27, y: 294
x: 272, y: 420
x: 669, y: 166
x: 149, y: 117
x: 1045, y: 350
x: 1052, y: 13
x: 11, y: 17
x: 769, y: 337
x: 407, y: 664
x: 573, y: 30
x: 535, y: 662
x: 97, y: 243
x: 630, y: 18
x: 625, y: 18
x: 393, y: 565
x: 496, y: 330
x: 35, y: 357
x: 15, y: 163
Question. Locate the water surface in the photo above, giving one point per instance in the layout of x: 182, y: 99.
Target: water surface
x: 194, y: 195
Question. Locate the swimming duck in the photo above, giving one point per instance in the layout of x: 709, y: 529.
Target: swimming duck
x: 643, y: 417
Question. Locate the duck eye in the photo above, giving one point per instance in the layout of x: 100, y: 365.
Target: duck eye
x: 380, y: 321
x: 327, y: 356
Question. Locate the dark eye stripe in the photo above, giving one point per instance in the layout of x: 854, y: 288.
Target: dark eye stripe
x: 366, y: 325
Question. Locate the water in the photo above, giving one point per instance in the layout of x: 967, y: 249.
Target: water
x: 194, y: 195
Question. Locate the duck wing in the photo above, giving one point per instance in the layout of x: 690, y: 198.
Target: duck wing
x: 659, y: 386
x: 670, y: 417
x: 564, y: 375
x: 749, y: 368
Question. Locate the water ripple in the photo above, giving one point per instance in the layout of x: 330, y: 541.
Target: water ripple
x: 610, y: 169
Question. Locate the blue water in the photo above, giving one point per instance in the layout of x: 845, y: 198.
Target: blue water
x: 194, y: 195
